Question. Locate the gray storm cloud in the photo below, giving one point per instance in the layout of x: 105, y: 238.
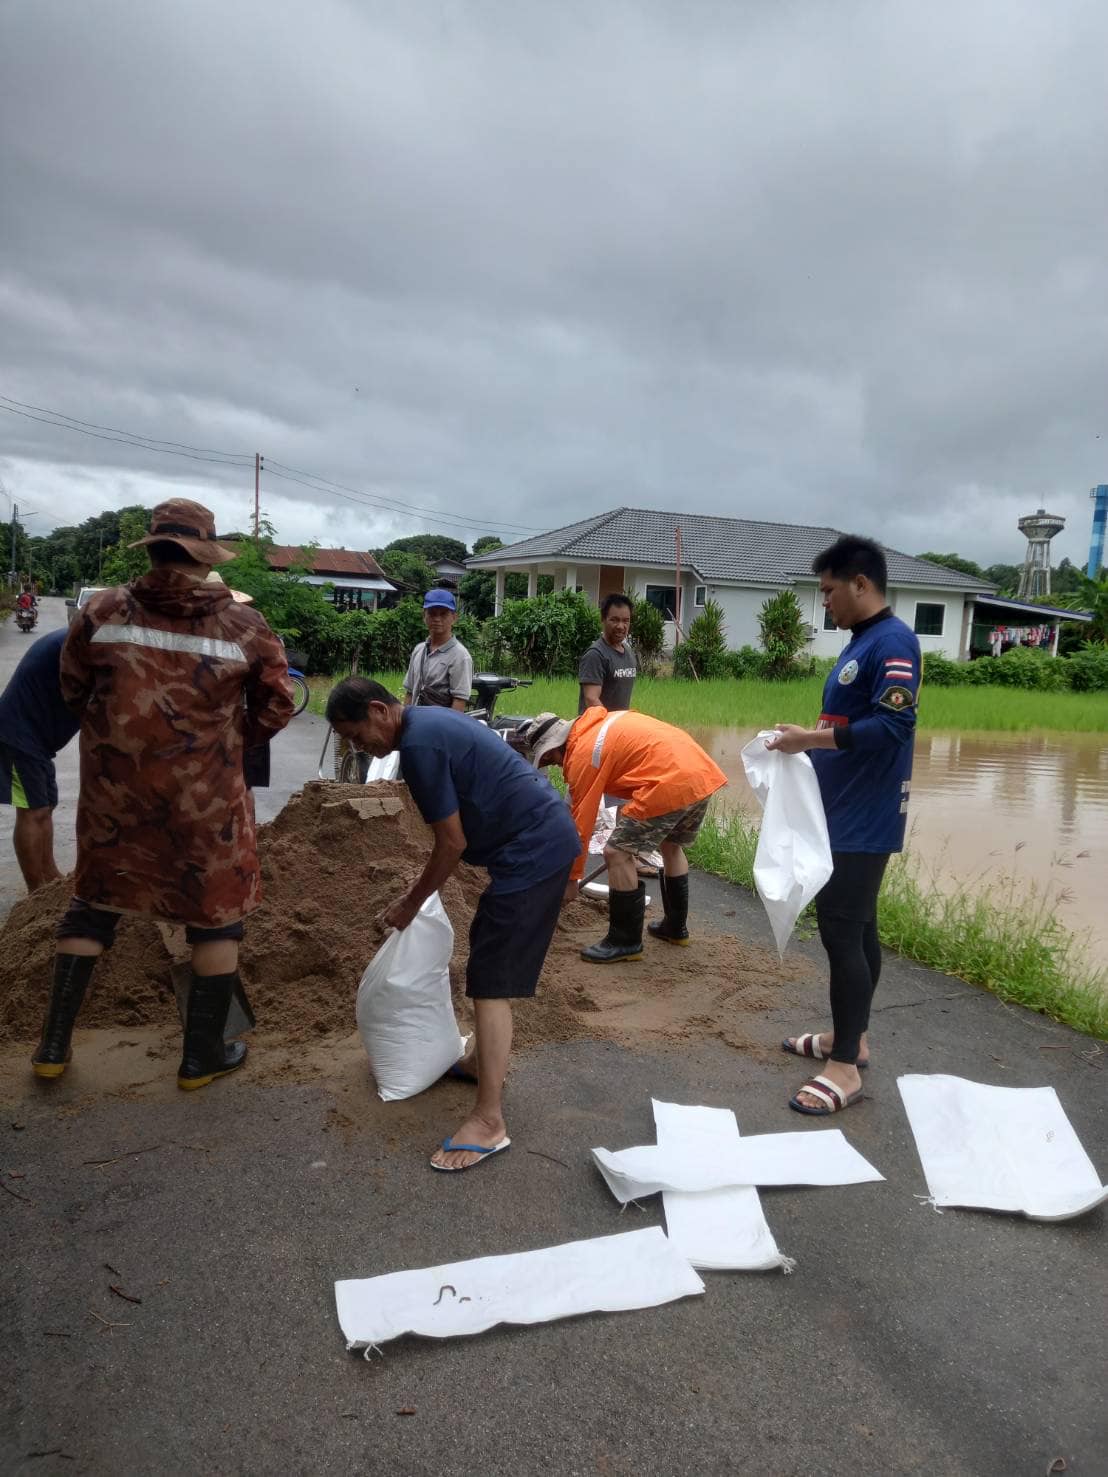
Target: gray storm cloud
x: 516, y: 263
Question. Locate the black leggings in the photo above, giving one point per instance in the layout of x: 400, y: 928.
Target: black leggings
x: 82, y: 921
x: 846, y: 910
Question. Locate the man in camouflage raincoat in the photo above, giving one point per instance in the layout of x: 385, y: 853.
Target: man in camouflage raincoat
x: 170, y: 678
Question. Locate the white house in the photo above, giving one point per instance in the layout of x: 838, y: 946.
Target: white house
x: 678, y: 561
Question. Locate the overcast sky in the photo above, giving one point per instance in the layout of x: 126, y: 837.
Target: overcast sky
x: 515, y: 263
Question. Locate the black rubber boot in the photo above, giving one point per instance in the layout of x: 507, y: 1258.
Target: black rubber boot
x: 205, y: 1055
x: 624, y: 937
x: 672, y: 928
x: 72, y: 973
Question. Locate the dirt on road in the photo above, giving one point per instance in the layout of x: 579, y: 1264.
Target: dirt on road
x: 331, y: 861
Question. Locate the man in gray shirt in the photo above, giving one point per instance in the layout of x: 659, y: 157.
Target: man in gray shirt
x: 607, y: 670
x: 440, y: 673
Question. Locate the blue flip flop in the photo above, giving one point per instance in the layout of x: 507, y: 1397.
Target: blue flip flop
x: 486, y: 1151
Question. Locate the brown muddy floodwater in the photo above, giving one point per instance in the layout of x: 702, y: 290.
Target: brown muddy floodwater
x: 997, y: 812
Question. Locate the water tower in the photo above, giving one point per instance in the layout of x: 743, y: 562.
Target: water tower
x: 1039, y: 527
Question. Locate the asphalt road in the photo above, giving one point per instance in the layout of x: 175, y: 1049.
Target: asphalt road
x: 905, y: 1342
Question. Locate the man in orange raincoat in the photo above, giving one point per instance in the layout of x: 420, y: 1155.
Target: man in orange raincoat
x: 665, y: 780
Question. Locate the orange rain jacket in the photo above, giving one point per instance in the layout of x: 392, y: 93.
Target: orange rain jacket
x: 653, y: 766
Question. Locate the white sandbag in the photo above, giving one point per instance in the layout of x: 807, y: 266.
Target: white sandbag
x: 387, y: 768
x: 999, y: 1148
x: 610, y: 1274
x: 813, y: 1158
x: 716, y: 1230
x: 404, y: 1011
x: 600, y: 890
x: 793, y: 859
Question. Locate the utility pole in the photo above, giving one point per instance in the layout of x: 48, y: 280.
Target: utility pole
x: 15, y: 519
x: 677, y: 591
x: 257, y: 494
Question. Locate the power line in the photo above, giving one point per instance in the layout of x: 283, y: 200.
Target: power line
x: 191, y: 456
x: 380, y: 502
x: 137, y: 435
x: 360, y: 499
x: 399, y: 504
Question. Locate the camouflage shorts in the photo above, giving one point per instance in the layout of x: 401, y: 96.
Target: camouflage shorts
x: 678, y: 826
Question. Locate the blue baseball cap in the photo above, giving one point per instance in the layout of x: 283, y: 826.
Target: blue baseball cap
x: 439, y: 597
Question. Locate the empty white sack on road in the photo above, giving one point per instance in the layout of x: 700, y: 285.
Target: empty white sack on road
x: 717, y: 1230
x: 793, y: 859
x: 609, y: 1274
x: 999, y: 1148
x: 820, y: 1157
x: 404, y: 1011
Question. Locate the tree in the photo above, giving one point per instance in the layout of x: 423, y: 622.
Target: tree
x: 432, y: 547
x: 121, y: 563
x: 547, y: 634
x: 478, y: 587
x: 955, y: 561
x: 1006, y: 577
x: 704, y: 652
x: 784, y: 633
x: 1092, y: 596
x: 410, y: 572
x: 648, y: 635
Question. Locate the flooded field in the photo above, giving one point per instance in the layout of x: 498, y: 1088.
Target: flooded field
x: 1000, y: 812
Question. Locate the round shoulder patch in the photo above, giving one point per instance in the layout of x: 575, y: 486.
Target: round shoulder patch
x: 848, y: 674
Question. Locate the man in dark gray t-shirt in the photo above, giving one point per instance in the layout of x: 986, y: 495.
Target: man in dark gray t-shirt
x: 607, y: 670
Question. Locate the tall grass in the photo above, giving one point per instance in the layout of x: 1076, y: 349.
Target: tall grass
x: 749, y: 703
x: 1010, y: 942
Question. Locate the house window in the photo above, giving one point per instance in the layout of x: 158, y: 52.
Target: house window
x: 929, y: 620
x: 663, y: 598
x: 829, y: 621
x: 700, y: 596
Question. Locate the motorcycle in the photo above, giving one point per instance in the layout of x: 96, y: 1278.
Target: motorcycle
x: 352, y: 767
x: 26, y: 619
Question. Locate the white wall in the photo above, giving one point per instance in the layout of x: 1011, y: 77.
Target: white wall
x: 903, y: 602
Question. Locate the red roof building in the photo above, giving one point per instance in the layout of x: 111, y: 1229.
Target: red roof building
x: 358, y: 580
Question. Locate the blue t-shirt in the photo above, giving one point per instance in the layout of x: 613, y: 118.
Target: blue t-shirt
x: 870, y: 700
x: 515, y: 822
x: 33, y: 717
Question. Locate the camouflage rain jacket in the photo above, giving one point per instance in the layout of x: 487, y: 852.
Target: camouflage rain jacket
x: 169, y: 677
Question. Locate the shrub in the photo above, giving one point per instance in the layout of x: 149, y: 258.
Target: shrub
x: 1088, y: 668
x: 704, y: 652
x: 940, y: 671
x: 545, y: 635
x: 747, y: 662
x: 648, y: 635
x: 784, y: 633
x: 1024, y: 667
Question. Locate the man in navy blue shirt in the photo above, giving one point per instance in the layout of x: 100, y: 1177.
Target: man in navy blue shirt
x: 487, y: 806
x: 861, y: 750
x: 34, y: 726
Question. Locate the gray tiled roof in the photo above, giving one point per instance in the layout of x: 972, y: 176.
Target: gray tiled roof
x: 720, y: 550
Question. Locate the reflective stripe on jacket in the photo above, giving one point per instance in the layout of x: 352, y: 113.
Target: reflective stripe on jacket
x: 653, y: 766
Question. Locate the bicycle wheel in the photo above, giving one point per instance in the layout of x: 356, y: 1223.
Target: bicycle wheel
x: 300, y: 692
x: 353, y: 769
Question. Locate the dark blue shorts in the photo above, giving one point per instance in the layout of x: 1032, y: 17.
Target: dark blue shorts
x: 27, y: 782
x: 509, y: 937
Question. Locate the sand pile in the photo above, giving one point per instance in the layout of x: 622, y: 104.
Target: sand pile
x: 331, y: 861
